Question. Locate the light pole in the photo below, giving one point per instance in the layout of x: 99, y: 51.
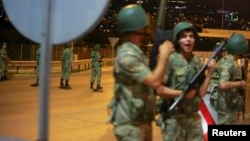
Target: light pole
x: 222, y: 14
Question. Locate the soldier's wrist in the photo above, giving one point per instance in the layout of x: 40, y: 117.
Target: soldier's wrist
x: 241, y: 84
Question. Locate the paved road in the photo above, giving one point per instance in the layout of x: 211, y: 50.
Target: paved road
x: 78, y: 114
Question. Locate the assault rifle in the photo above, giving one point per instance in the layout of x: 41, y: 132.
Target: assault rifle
x: 161, y: 34
x: 195, y: 79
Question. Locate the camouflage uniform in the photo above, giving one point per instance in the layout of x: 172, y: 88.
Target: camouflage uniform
x: 96, y: 68
x: 66, y: 67
x: 4, y: 62
x: 228, y: 102
x: 183, y: 123
x: 134, y: 103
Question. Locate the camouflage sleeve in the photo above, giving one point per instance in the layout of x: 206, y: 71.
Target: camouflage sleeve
x: 225, y: 68
x: 168, y: 71
x: 134, y: 67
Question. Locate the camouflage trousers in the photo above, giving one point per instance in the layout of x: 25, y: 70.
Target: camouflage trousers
x: 66, y: 72
x: 183, y: 128
x: 227, y: 118
x: 4, y: 68
x: 96, y: 74
x: 37, y: 71
x: 134, y: 132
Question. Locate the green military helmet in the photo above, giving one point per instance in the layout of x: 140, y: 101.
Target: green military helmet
x: 97, y: 47
x: 183, y: 26
x: 132, y: 18
x: 237, y: 45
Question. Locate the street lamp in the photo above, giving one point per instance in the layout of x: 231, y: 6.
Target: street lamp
x: 222, y: 14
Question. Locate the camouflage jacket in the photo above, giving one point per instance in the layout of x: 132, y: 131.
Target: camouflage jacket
x: 95, y: 56
x: 133, y: 100
x: 67, y: 57
x: 227, y: 70
x: 4, y: 55
x: 178, y: 74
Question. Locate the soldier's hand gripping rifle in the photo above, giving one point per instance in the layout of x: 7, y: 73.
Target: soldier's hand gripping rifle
x: 195, y: 79
x: 161, y: 34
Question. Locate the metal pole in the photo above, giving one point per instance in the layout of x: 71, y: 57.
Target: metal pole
x: 46, y: 53
x: 222, y: 14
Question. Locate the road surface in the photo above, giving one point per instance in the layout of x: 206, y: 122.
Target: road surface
x: 78, y: 114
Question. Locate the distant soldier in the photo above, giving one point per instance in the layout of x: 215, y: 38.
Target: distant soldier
x: 37, y: 68
x: 96, y: 63
x: 4, y: 62
x: 66, y: 60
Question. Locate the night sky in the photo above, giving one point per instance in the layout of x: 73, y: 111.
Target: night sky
x: 242, y: 6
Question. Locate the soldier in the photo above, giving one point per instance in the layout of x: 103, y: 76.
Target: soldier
x: 36, y: 84
x: 4, y: 62
x: 183, y: 122
x: 66, y: 60
x: 96, y: 68
x: 226, y: 98
x: 133, y: 104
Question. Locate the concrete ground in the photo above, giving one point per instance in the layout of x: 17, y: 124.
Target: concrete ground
x: 78, y: 114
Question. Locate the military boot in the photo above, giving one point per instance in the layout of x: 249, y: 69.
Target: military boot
x: 36, y: 84
x: 6, y: 78
x: 67, y: 86
x: 61, y: 84
x: 2, y: 78
x: 91, y: 85
x: 97, y: 88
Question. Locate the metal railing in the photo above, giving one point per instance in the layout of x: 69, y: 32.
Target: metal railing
x: 78, y: 65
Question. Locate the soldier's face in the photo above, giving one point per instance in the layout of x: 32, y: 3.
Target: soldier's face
x: 187, y: 40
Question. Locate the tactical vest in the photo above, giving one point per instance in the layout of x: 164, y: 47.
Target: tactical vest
x: 179, y: 73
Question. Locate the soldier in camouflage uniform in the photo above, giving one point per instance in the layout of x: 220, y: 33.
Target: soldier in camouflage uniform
x: 226, y: 98
x: 96, y: 68
x: 183, y: 123
x: 36, y: 84
x: 4, y: 62
x: 133, y: 104
x: 66, y: 60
